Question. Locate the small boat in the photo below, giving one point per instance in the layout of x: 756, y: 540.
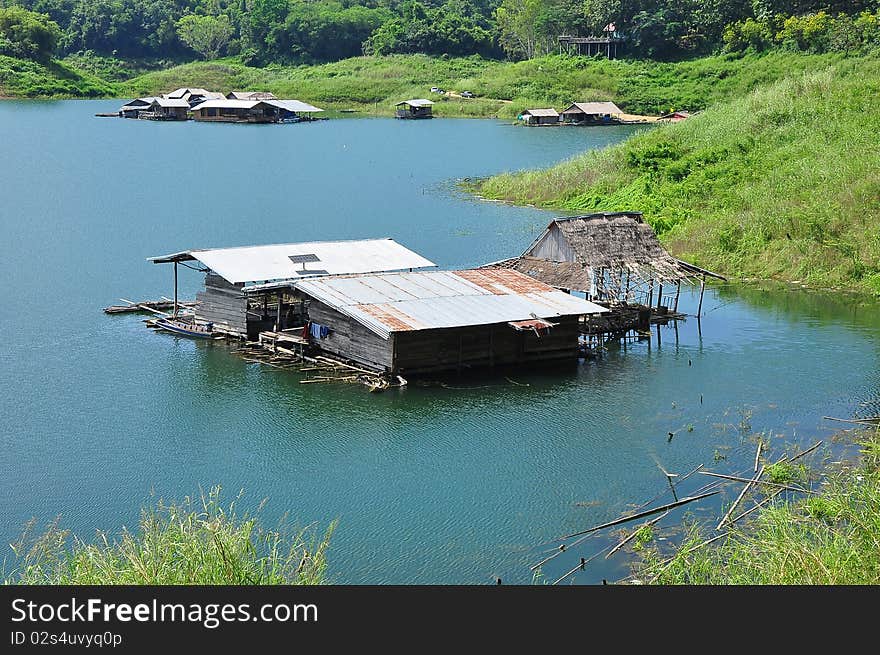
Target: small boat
x: 186, y: 328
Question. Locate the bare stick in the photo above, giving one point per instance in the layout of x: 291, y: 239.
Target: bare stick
x: 765, y: 482
x: 632, y: 535
x: 862, y: 421
x: 749, y: 485
x: 758, y: 453
x: 650, y: 512
x: 676, y: 483
x: 757, y: 506
x: 807, y: 451
x: 690, y: 550
x: 580, y: 566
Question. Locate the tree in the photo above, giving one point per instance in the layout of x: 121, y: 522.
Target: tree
x: 27, y: 34
x: 518, y: 21
x: 207, y: 35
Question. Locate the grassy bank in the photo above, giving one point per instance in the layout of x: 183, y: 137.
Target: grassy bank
x: 197, y: 541
x: 503, y: 88
x: 832, y: 538
x: 21, y: 78
x: 375, y: 84
x: 781, y: 183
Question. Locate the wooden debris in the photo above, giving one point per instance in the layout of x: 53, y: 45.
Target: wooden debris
x: 631, y: 536
x: 749, y: 485
x: 764, y: 482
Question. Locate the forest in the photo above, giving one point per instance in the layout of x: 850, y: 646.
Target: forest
x: 263, y: 32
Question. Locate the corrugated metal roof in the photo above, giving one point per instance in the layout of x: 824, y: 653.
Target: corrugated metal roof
x: 417, y: 102
x: 272, y: 262
x: 295, y: 106
x: 251, y: 95
x: 171, y: 102
x: 541, y: 112
x: 227, y: 103
x: 402, y: 302
x: 593, y: 108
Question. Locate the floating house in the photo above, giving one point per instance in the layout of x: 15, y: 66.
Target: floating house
x: 133, y: 108
x: 233, y: 274
x: 540, y: 117
x: 253, y: 111
x: 611, y: 257
x: 591, y: 113
x: 237, y: 111
x: 417, y: 108
x: 675, y: 116
x: 428, y: 321
x: 250, y: 95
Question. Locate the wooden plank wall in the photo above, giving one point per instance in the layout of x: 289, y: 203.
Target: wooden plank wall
x: 554, y: 246
x: 350, y: 339
x: 481, y: 346
x: 223, y: 303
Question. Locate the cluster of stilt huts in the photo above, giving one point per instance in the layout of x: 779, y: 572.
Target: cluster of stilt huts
x: 211, y: 106
x: 374, y: 311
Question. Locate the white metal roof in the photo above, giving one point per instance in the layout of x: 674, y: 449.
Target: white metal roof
x: 402, y: 302
x: 541, y: 112
x: 593, y: 108
x: 251, y: 95
x: 229, y: 103
x: 294, y: 106
x: 273, y: 262
x: 417, y: 102
x: 171, y: 102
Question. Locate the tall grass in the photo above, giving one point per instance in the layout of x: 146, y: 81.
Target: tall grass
x: 782, y: 183
x: 833, y: 538
x: 197, y: 541
x: 504, y: 88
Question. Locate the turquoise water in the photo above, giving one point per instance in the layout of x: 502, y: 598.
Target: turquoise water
x: 460, y: 481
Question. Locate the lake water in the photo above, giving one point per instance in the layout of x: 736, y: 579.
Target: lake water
x: 458, y: 482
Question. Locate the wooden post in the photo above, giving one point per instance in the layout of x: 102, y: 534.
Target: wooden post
x: 677, y: 293
x: 174, y: 314
x: 702, y: 290
x: 660, y: 295
x: 650, y: 292
x: 278, y: 319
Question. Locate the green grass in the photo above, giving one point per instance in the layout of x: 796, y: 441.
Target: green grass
x: 504, y: 89
x: 782, y: 183
x: 832, y: 538
x: 28, y: 79
x: 197, y: 541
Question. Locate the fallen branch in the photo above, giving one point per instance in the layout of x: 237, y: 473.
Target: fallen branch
x: 633, y: 517
x: 749, y: 485
x: 625, y: 541
x: 765, y: 482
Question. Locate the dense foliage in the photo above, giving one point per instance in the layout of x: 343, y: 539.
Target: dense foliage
x: 297, y: 31
x: 27, y: 35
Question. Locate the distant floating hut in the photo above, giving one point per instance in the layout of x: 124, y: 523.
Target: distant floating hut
x: 540, y: 117
x: 229, y: 272
x: 417, y: 108
x: 133, y: 108
x: 611, y: 257
x: 429, y: 321
x: 591, y: 113
x: 252, y: 111
x: 675, y: 116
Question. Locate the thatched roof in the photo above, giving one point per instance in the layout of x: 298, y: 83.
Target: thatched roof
x: 609, y: 242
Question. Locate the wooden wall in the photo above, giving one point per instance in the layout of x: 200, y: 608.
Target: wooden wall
x: 224, y: 304
x: 553, y: 246
x: 350, y: 339
x: 477, y: 346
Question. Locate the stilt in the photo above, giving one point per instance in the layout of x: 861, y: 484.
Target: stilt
x: 677, y: 294
x: 174, y: 313
x: 659, y: 296
x: 278, y: 319
x: 702, y: 290
x: 650, y: 293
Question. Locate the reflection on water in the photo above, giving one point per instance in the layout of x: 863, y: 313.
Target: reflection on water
x: 460, y: 479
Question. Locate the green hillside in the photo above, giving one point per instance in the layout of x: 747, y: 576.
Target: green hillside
x: 782, y: 183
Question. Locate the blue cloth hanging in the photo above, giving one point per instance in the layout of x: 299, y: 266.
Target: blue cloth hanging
x: 318, y: 331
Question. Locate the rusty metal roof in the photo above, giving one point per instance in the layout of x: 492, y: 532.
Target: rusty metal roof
x: 402, y: 302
